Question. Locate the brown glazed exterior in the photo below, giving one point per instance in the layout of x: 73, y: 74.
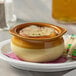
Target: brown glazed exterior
x: 15, y: 31
x: 38, y: 46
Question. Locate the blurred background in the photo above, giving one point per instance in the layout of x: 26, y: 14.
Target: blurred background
x: 33, y: 10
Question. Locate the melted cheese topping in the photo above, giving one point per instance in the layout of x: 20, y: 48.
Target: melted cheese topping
x: 36, y: 31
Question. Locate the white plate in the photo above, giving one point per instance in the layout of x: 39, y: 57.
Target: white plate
x: 5, y: 47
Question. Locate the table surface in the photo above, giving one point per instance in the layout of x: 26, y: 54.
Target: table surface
x: 7, y: 70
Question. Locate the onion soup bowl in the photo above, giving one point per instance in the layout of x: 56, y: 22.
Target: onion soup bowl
x: 37, y: 42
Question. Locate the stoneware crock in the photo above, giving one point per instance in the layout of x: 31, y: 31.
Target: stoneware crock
x: 37, y: 49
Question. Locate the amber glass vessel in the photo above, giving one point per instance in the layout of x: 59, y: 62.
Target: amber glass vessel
x: 64, y: 10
